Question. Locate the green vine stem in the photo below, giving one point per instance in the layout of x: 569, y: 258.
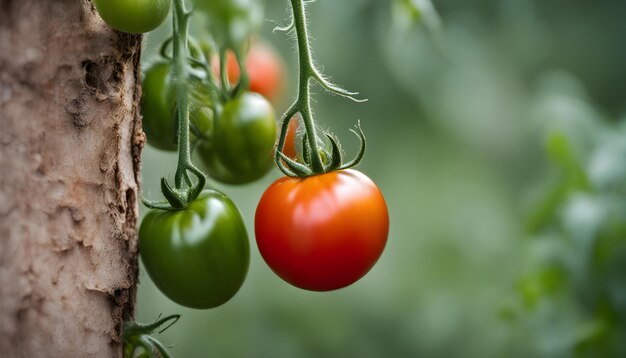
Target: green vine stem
x: 184, y: 190
x: 244, y: 79
x: 302, y: 105
x: 179, y: 78
x: 223, y: 71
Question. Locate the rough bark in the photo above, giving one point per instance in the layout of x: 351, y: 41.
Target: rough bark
x: 70, y: 145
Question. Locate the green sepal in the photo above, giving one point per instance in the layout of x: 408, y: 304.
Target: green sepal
x: 173, y: 197
x: 195, y: 191
x: 282, y: 167
x: 306, y: 154
x: 159, y: 205
x: 300, y: 170
x: 335, y: 154
x: 359, y: 133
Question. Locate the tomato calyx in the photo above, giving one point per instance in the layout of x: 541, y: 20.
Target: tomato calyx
x: 175, y: 198
x: 330, y: 154
x: 139, y: 335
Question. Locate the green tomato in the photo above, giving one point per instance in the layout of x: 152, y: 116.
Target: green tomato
x: 214, y: 166
x: 231, y: 22
x: 158, y: 108
x: 133, y: 16
x: 242, y: 142
x: 198, y: 256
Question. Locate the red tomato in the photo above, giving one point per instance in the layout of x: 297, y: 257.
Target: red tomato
x: 265, y: 70
x: 323, y: 232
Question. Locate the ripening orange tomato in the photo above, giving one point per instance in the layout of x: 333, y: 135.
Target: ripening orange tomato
x: 265, y: 70
x: 323, y: 232
x: 289, y: 148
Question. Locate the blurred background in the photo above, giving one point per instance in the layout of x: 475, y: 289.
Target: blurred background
x: 494, y: 131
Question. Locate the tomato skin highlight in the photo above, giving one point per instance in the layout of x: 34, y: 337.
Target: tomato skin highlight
x: 198, y: 256
x: 133, y: 16
x: 323, y: 232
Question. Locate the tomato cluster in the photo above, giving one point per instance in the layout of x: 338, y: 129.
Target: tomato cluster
x: 236, y: 138
x: 319, y: 229
x: 198, y: 256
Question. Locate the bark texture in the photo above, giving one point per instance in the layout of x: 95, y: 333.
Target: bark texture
x: 70, y: 145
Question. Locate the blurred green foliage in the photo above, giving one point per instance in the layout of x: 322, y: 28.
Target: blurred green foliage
x: 497, y: 144
x: 574, y: 291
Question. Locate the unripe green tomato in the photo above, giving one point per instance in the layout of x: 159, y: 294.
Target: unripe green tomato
x: 158, y: 108
x: 214, y: 167
x: 226, y: 9
x: 231, y: 22
x: 197, y: 256
x: 242, y: 143
x: 133, y: 16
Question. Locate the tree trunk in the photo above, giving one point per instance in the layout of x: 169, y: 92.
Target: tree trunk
x: 70, y: 146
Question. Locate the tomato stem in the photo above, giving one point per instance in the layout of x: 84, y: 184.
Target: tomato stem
x: 179, y: 78
x: 302, y: 105
x: 244, y: 80
x: 303, y: 102
x: 184, y: 190
x: 224, y: 71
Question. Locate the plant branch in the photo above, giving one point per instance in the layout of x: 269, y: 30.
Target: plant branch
x: 184, y: 191
x: 179, y: 78
x: 302, y: 103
